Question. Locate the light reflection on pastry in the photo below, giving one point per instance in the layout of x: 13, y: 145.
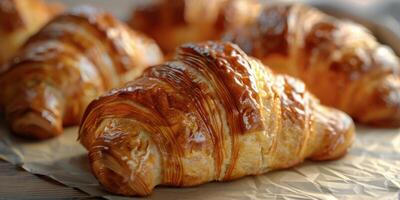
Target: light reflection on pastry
x: 211, y: 114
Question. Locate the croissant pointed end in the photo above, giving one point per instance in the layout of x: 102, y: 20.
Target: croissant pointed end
x: 126, y: 163
x: 114, y: 175
x: 336, y: 133
x: 390, y: 117
x: 382, y: 108
x: 34, y: 125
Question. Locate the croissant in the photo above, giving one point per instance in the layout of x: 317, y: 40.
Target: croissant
x: 340, y: 62
x: 69, y: 62
x: 174, y: 22
x: 212, y: 114
x: 19, y: 19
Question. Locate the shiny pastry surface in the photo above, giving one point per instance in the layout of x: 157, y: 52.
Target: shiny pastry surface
x: 19, y: 19
x: 340, y: 62
x: 72, y: 60
x: 211, y: 114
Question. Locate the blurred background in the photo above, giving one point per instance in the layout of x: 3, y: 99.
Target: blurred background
x: 382, y: 17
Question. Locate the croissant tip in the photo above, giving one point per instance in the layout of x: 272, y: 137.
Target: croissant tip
x: 346, y: 131
x: 340, y: 132
x: 112, y: 174
x: 385, y: 105
x: 392, y: 121
x: 34, y: 126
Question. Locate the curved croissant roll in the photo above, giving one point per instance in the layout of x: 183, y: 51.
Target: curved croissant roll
x: 19, y: 19
x: 72, y: 60
x: 212, y: 114
x: 340, y: 61
x: 174, y: 22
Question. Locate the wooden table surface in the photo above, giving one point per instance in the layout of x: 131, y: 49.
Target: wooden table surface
x: 15, y: 183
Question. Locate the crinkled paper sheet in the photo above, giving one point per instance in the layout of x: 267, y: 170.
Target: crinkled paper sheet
x: 371, y: 170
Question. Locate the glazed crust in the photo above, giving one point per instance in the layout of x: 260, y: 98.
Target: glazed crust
x: 19, y: 19
x: 211, y: 114
x: 174, y: 22
x: 340, y: 61
x: 73, y: 59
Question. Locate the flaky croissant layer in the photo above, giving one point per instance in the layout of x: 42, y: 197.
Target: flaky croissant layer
x: 211, y: 114
x: 72, y: 60
x: 340, y: 61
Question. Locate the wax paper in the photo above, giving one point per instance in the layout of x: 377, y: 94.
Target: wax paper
x: 370, y: 170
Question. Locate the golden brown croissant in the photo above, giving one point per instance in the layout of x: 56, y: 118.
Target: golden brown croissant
x: 339, y: 61
x: 212, y: 114
x: 19, y: 19
x: 174, y: 22
x: 72, y: 60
